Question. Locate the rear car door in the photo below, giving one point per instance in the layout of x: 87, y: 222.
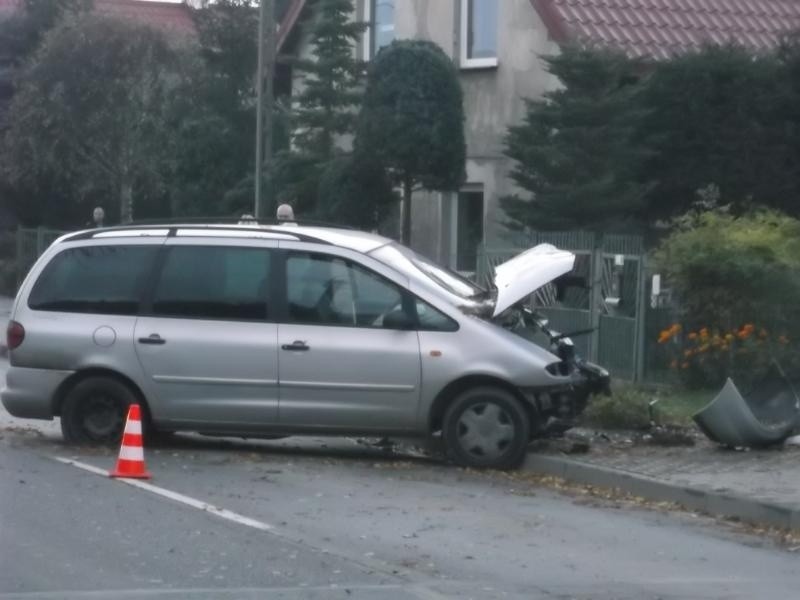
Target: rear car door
x: 208, y: 340
x: 341, y: 367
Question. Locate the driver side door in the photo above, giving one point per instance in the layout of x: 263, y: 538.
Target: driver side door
x: 340, y: 368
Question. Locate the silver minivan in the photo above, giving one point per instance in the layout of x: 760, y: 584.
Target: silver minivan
x: 267, y: 330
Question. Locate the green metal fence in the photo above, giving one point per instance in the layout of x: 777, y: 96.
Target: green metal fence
x: 606, y: 267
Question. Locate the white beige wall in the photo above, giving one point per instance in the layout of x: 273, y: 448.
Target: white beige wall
x: 493, y: 100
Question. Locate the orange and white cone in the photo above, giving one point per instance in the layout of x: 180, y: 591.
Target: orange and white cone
x: 130, y: 463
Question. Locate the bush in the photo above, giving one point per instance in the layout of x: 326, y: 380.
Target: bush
x: 626, y: 408
x: 737, y: 279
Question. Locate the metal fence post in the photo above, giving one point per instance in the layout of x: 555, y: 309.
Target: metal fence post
x: 596, y: 296
x: 641, y: 316
x: 18, y: 261
x: 39, y: 241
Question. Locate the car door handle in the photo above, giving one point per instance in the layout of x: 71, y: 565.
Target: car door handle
x: 296, y: 346
x: 153, y: 340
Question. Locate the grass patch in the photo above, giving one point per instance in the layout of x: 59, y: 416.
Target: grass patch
x: 676, y: 406
x: 628, y: 407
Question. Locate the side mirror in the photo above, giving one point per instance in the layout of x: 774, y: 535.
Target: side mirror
x: 398, y: 319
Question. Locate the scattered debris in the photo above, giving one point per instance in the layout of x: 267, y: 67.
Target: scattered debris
x: 667, y: 435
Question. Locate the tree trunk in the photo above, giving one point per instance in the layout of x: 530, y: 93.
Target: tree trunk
x: 126, y: 202
x: 406, y: 212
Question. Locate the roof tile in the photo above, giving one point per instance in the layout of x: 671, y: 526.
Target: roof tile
x: 661, y: 28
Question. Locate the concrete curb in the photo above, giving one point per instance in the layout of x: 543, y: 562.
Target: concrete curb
x: 697, y: 499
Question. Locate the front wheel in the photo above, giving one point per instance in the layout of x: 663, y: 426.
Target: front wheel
x: 486, y: 427
x: 94, y: 411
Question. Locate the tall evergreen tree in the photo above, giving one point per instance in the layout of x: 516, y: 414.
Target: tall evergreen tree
x: 323, y: 112
x: 215, y: 146
x: 722, y: 116
x: 576, y: 152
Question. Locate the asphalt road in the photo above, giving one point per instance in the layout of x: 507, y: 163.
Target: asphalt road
x: 332, y: 519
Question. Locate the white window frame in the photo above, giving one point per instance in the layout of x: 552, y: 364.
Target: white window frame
x: 465, y: 61
x: 367, y: 38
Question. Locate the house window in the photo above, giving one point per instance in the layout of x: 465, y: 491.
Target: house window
x: 380, y: 16
x: 468, y: 223
x: 479, y: 33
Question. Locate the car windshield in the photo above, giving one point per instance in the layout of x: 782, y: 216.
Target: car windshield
x: 412, y: 262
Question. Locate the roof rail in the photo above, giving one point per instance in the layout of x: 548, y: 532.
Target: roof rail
x: 173, y: 229
x: 243, y: 220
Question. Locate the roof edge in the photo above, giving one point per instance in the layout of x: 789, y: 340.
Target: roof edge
x: 556, y: 27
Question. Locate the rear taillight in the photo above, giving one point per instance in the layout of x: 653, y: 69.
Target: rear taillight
x: 15, y: 335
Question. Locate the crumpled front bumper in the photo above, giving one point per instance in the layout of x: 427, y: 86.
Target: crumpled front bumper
x: 729, y: 420
x: 594, y: 378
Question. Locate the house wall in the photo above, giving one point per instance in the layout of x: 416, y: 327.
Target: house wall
x: 493, y: 100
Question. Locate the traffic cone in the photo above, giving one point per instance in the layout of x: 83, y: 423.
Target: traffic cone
x: 130, y: 463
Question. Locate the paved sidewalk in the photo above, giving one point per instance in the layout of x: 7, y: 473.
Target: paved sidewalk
x: 754, y: 485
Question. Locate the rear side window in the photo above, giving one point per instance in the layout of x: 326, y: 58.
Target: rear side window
x: 214, y: 282
x: 94, y: 279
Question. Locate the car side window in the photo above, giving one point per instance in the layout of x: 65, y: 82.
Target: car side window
x: 328, y: 290
x: 214, y: 282
x: 432, y: 319
x: 94, y: 279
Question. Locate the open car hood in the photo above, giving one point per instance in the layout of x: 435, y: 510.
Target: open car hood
x: 527, y: 272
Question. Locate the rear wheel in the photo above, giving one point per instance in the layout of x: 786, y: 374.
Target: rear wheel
x: 94, y: 411
x: 486, y: 427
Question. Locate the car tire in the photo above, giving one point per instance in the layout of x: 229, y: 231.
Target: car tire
x: 486, y: 427
x: 94, y: 411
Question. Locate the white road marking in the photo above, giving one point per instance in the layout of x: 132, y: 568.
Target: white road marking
x: 165, y: 493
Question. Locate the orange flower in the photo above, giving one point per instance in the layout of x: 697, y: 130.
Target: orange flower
x: 704, y: 333
x: 749, y: 327
x: 692, y: 336
x: 688, y: 353
x: 743, y: 334
x: 676, y: 327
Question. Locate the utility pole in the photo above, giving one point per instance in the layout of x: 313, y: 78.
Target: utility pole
x: 265, y: 99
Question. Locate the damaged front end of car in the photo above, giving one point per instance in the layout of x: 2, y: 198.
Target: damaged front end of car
x: 575, y: 380
x: 560, y: 405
